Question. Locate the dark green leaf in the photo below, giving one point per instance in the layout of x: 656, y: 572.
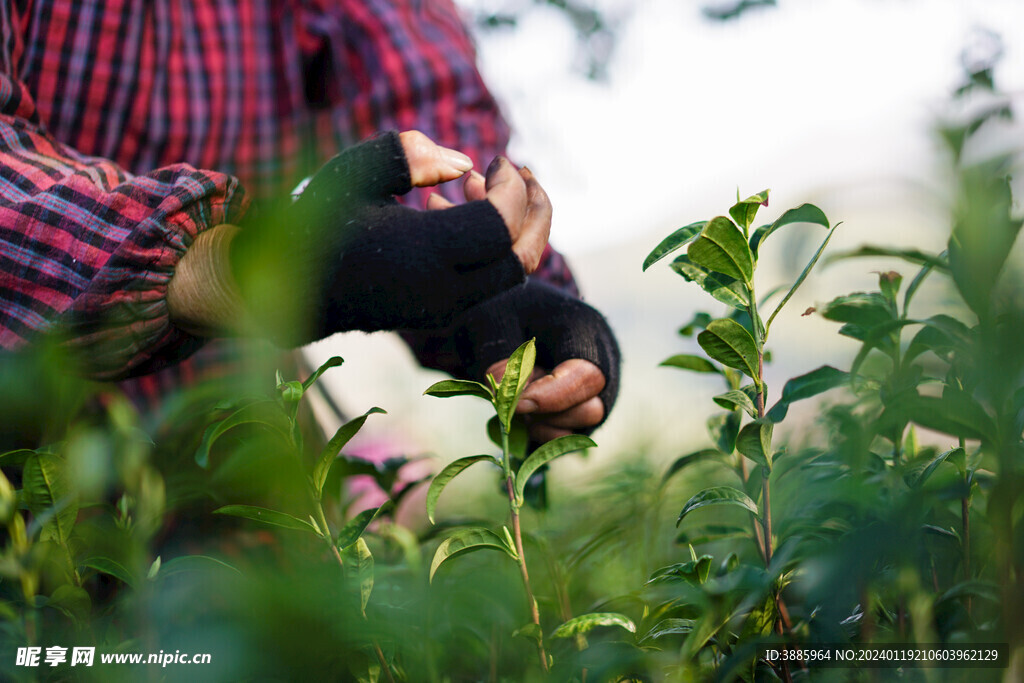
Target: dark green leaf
x: 805, y: 213
x: 688, y: 361
x: 353, y: 530
x: 72, y: 600
x: 690, y: 458
x: 466, y: 541
x: 721, y: 248
x: 700, y: 320
x: 955, y: 413
x: 445, y: 476
x: 743, y: 211
x: 110, y: 567
x: 755, y: 442
x: 815, y: 382
x: 803, y: 276
x: 267, y: 414
x: 738, y: 398
x: 458, y: 387
x: 194, y: 563
x: 694, y: 572
x: 719, y: 495
x: 548, y: 452
x: 728, y: 342
x: 728, y: 290
x: 330, y: 451
x: 724, y: 429
x: 914, y: 256
x: 587, y: 622
x: 331, y: 362
x: 46, y: 490
x: 667, y: 627
x: 266, y: 516
x: 679, y: 238
x: 957, y: 456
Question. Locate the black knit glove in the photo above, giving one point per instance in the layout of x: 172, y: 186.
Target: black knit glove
x: 347, y: 256
x: 564, y: 326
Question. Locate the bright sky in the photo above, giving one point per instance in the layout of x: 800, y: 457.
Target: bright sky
x: 810, y: 97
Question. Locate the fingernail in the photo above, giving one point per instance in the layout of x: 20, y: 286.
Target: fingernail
x: 457, y: 160
x: 476, y: 176
x: 495, y: 165
x: 526, y: 406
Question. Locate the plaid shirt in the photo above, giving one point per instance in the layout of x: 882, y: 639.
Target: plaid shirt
x: 110, y: 109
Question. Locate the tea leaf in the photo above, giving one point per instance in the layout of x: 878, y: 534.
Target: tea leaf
x: 815, y: 382
x: 265, y: 413
x: 71, y: 600
x: 105, y: 565
x: 272, y: 517
x: 955, y: 456
x: 689, y: 459
x: 677, y: 239
x: 728, y: 290
x: 587, y: 622
x: 755, y: 442
x: 458, y: 387
x: 353, y: 530
x: 694, y: 572
x: 517, y: 375
x: 332, y: 362
x: 955, y: 413
x: 49, y: 496
x: 531, y: 632
x: 445, y: 476
x: 193, y: 563
x: 728, y: 342
x: 548, y: 452
x: 719, y: 495
x: 291, y: 392
x: 672, y: 626
x: 724, y: 429
x: 805, y: 213
x: 915, y: 256
x: 467, y: 541
x: 330, y: 451
x: 737, y: 398
x: 722, y: 248
x: 743, y: 212
x: 688, y: 361
x: 359, y: 566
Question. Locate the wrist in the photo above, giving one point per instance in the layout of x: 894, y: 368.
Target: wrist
x: 203, y: 297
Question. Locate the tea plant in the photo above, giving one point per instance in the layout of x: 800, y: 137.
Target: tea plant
x: 504, y: 397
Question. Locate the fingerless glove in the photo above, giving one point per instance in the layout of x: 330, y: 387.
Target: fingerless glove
x: 564, y: 327
x: 347, y: 256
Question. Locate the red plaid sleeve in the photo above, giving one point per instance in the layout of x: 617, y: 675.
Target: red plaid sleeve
x: 87, y: 249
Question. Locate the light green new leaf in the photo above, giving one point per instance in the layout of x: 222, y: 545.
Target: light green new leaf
x: 444, y: 477
x: 331, y: 362
x: 359, y: 567
x: 743, y: 211
x: 719, y: 495
x: 467, y: 541
x: 330, y: 451
x: 688, y: 361
x: 548, y: 452
x: 517, y: 375
x: 353, y: 530
x: 805, y: 213
x: 957, y: 456
x: 728, y: 342
x: 459, y: 387
x: 722, y: 248
x: 728, y: 290
x: 587, y: 622
x: 265, y: 413
x: 49, y: 495
x: 679, y: 238
x: 755, y: 442
x: 272, y: 517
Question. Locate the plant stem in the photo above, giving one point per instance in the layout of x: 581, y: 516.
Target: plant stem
x: 517, y: 535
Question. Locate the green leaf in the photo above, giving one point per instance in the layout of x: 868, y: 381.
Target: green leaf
x: 724, y: 429
x: 755, y: 442
x: 266, y: 413
x: 517, y: 375
x: 467, y: 541
x: 272, y: 517
x: 73, y: 601
x: 154, y: 569
x: 672, y: 626
x: 805, y: 213
x: 291, y: 392
x: 677, y: 239
x: 105, y: 565
x: 915, y: 256
x: 815, y: 382
x: 587, y: 622
x: 728, y: 342
x: 865, y: 310
x: 330, y: 451
x: 728, y: 290
x: 332, y: 362
x: 957, y: 456
x: 738, y: 398
x: 359, y: 567
x: 459, y: 387
x: 719, y: 495
x: 353, y: 530
x: 686, y: 361
x: 531, y: 632
x: 722, y: 248
x: 548, y: 452
x: 955, y: 413
x: 690, y: 458
x: 803, y: 276
x: 445, y: 476
x: 700, y: 320
x: 194, y: 563
x: 743, y: 212
x: 46, y: 489
x: 694, y: 572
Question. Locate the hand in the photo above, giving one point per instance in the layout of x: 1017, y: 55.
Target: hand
x: 561, y: 402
